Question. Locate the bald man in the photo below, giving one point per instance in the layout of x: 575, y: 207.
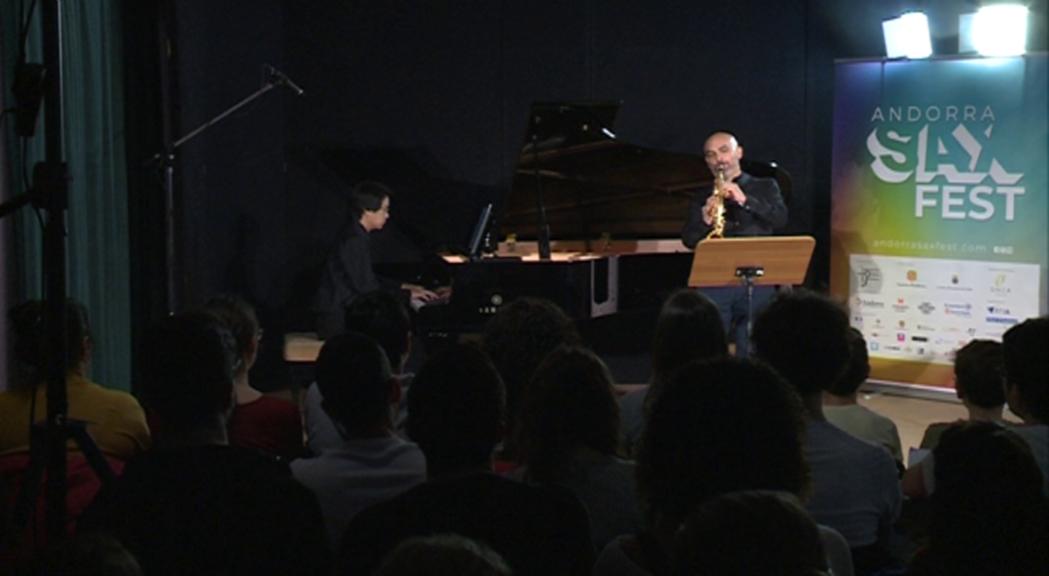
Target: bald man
x: 753, y: 207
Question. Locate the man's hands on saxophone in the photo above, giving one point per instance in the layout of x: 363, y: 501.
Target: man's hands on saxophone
x: 732, y: 192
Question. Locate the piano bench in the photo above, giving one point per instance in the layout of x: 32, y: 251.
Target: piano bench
x: 302, y: 347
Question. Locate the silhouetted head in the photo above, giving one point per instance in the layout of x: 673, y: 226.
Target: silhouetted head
x: 356, y: 383
x: 805, y: 337
x: 29, y: 340
x: 988, y: 508
x: 239, y: 316
x: 188, y: 368
x: 978, y: 373
x: 569, y: 405
x: 443, y: 555
x: 751, y: 533
x: 518, y: 338
x: 1027, y: 369
x: 456, y: 410
x: 719, y: 426
x: 858, y: 368
x: 383, y: 317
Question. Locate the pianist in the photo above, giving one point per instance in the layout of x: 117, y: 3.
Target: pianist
x: 753, y: 207
x: 348, y: 271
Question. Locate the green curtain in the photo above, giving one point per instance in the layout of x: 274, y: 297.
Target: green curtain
x: 97, y: 222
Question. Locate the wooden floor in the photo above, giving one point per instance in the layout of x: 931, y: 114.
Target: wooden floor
x: 913, y: 415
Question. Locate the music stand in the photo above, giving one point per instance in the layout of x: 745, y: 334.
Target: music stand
x: 722, y: 262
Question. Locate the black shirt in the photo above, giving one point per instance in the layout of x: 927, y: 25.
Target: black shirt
x: 763, y: 211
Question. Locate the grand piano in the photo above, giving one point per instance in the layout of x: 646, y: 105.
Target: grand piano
x: 613, y: 212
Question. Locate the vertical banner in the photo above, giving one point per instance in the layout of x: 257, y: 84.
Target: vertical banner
x: 940, y: 218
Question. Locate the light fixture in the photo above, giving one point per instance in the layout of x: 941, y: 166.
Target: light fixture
x: 907, y: 36
x: 996, y: 30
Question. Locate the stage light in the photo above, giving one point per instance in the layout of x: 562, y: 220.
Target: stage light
x: 907, y: 36
x: 996, y: 30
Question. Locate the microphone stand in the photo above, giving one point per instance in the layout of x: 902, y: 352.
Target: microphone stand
x: 167, y: 163
x: 543, y: 234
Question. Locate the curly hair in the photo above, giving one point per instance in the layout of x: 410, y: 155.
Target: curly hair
x: 570, y: 403
x: 720, y: 425
x: 517, y: 339
x: 241, y: 320
x: 29, y: 339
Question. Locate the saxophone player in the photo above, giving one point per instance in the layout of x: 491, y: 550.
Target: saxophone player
x: 752, y: 206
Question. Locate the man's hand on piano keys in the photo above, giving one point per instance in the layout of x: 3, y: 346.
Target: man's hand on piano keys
x: 420, y: 293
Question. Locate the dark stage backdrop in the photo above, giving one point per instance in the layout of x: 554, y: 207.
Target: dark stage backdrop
x: 433, y: 97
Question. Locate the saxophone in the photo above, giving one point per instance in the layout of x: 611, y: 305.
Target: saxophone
x: 718, y: 220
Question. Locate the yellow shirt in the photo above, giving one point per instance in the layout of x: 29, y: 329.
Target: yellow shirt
x: 115, y: 420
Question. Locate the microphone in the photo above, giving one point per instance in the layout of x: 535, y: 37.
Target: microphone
x: 274, y: 76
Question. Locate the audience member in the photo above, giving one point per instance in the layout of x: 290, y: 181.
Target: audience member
x: 114, y: 419
x: 371, y: 464
x: 517, y: 339
x: 751, y: 533
x: 804, y: 336
x: 1027, y: 386
x: 718, y: 426
x: 456, y: 410
x: 988, y: 511
x: 842, y: 410
x: 347, y: 273
x: 443, y: 555
x: 689, y: 328
x: 272, y: 425
x: 194, y: 504
x: 381, y: 316
x: 569, y: 436
x: 978, y: 384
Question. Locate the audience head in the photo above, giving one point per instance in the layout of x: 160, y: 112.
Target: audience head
x: 239, y: 317
x: 978, y: 374
x: 720, y: 425
x: 188, y: 369
x: 29, y: 340
x: 689, y: 328
x: 383, y: 317
x: 804, y: 337
x: 858, y: 368
x: 1027, y: 369
x: 752, y: 533
x: 357, y: 385
x: 443, y: 555
x: 569, y: 405
x: 518, y: 338
x: 988, y: 509
x: 457, y: 410
x: 368, y: 196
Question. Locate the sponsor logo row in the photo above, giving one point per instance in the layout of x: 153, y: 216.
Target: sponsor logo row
x: 871, y: 279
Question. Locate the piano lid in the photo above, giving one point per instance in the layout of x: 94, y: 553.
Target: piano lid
x: 594, y: 184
